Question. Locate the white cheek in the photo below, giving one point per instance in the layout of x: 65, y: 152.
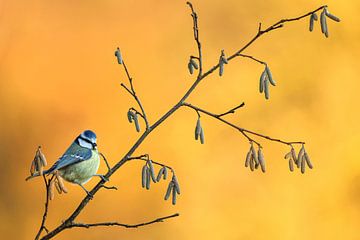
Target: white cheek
x: 85, y: 144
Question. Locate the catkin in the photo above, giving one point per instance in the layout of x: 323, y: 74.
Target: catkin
x: 291, y: 165
x: 269, y: 76
x: 143, y: 176
x: 193, y: 63
x: 176, y: 184
x: 168, y: 191
x: 147, y: 179
x: 300, y: 155
x: 324, y: 28
x: 191, y: 68
x: 266, y: 89
x: 307, y: 159
x: 161, y: 172
x: 303, y: 165
x: 42, y: 157
x: 136, y: 121
x: 247, y: 160
x: 165, y: 173
x: 130, y: 116
x: 262, y: 81
x: 221, y: 68
x: 58, y: 188
x: 252, y: 163
x: 202, y: 137
x: 118, y: 56
x: 311, y: 24
x: 197, y: 129
x: 261, y: 159
x: 293, y: 154
x: 152, y: 171
x: 332, y: 17
x: 173, y: 195
x: 51, y: 190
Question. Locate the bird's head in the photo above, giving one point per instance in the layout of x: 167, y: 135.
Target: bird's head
x: 87, y: 139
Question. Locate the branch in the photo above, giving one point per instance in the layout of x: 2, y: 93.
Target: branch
x: 70, y: 220
x: 89, y: 225
x: 251, y: 57
x: 145, y: 158
x: 242, y: 130
x: 42, y: 226
x: 230, y: 111
x: 132, y: 92
x: 260, y: 32
x: 196, y: 37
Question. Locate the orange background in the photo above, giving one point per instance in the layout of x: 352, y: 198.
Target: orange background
x: 59, y: 76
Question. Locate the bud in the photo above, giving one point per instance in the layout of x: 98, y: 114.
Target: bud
x: 118, y: 56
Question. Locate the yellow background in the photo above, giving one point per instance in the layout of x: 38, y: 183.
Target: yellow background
x: 59, y: 76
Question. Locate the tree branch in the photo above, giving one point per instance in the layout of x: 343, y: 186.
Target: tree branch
x: 231, y: 110
x: 89, y: 225
x: 260, y: 32
x: 133, y: 93
x: 42, y: 226
x: 70, y: 220
x: 242, y: 130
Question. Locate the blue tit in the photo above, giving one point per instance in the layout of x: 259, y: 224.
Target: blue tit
x: 80, y: 162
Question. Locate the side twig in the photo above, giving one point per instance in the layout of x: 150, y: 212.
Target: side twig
x: 242, y: 130
x: 133, y: 94
x: 89, y: 225
x: 42, y: 226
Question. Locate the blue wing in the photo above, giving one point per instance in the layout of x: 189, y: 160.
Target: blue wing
x: 74, y: 154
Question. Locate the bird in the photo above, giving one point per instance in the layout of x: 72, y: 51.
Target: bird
x: 79, y: 163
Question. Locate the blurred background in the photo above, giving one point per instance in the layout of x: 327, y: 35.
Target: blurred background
x: 59, y: 76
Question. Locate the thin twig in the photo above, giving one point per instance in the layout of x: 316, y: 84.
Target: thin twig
x: 231, y: 110
x: 259, y: 33
x: 105, y: 160
x: 196, y: 37
x: 133, y: 93
x: 242, y: 130
x: 145, y: 157
x: 42, y: 226
x: 89, y: 225
x: 251, y: 57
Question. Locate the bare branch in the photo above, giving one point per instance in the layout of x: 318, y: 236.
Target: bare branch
x: 230, y: 111
x: 242, y: 130
x: 42, y: 226
x: 89, y: 225
x: 145, y: 157
x: 106, y: 162
x: 260, y: 32
x: 133, y: 93
x: 251, y: 57
x: 196, y: 37
x: 69, y: 222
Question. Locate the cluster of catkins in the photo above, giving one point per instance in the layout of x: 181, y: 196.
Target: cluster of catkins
x: 300, y: 160
x: 148, y: 175
x: 323, y: 24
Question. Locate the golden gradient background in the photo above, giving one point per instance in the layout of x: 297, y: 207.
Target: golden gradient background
x: 59, y: 76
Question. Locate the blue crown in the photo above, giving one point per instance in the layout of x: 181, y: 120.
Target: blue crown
x: 89, y: 134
